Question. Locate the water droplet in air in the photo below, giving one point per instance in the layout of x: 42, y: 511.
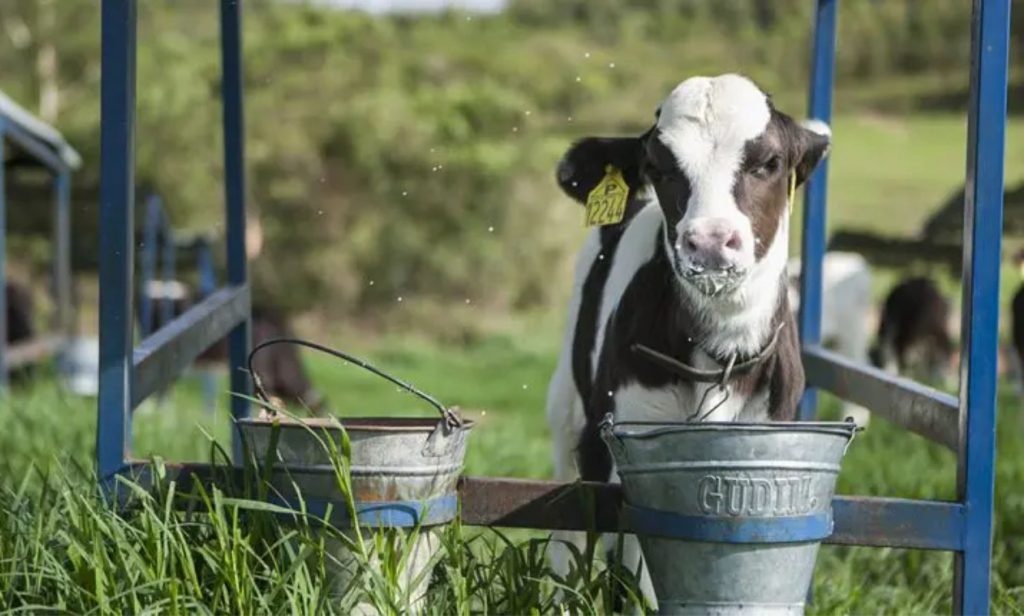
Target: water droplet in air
x: 467, y: 300
x: 527, y: 112
x: 575, y: 183
x: 405, y: 193
x: 600, y: 257
x: 399, y: 298
x: 490, y: 229
x: 611, y: 393
x: 524, y: 386
x: 578, y: 79
x: 482, y: 413
x: 515, y: 129
x: 586, y: 54
x: 439, y: 167
x: 431, y: 150
x: 319, y: 212
x: 371, y: 283
x: 569, y: 119
x: 322, y: 179
x: 611, y: 65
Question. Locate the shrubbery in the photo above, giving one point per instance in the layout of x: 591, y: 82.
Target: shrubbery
x: 417, y: 153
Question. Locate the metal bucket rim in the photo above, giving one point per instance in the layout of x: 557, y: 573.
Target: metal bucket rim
x: 657, y: 428
x: 350, y: 424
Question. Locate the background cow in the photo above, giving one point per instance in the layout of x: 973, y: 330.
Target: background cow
x: 20, y: 323
x: 913, y: 331
x: 1017, y: 324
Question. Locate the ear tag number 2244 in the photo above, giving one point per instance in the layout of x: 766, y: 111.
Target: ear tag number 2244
x: 606, y: 204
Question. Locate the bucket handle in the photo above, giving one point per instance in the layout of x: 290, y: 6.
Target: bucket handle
x: 450, y: 417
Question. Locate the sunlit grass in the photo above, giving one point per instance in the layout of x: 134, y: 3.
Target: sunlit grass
x: 50, y: 539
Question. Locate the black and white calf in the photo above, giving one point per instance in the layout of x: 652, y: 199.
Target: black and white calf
x: 695, y: 272
x: 914, y: 331
x: 20, y: 310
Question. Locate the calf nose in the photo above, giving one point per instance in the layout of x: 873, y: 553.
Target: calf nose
x: 712, y: 243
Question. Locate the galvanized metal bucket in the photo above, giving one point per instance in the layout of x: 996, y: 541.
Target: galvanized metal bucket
x: 402, y: 473
x: 729, y: 515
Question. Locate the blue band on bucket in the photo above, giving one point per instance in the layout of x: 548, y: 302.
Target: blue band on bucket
x: 377, y: 514
x: 787, y: 529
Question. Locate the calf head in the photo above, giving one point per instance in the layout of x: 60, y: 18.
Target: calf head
x: 720, y: 161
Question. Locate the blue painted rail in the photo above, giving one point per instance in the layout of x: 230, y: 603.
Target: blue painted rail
x: 964, y: 527
x: 27, y: 141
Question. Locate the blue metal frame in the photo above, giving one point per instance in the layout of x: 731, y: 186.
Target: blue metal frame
x: 963, y: 527
x: 148, y: 262
x: 816, y: 191
x: 43, y: 154
x: 3, y: 256
x: 159, y: 251
x: 983, y: 228
x: 972, y: 434
x: 234, y: 194
x: 128, y: 374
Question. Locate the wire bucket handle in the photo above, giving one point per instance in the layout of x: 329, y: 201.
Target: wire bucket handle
x: 450, y: 417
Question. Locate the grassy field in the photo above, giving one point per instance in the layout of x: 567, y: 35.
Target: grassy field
x: 61, y: 548
x: 501, y: 383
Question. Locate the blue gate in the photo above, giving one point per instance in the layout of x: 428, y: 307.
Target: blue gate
x: 964, y: 526
x: 33, y: 143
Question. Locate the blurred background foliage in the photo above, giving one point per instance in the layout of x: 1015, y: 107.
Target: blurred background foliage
x: 412, y: 156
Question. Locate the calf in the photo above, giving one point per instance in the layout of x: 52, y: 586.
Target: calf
x: 20, y: 328
x: 913, y: 331
x: 846, y: 305
x: 690, y: 282
x: 19, y: 313
x: 1017, y: 324
x: 1017, y: 328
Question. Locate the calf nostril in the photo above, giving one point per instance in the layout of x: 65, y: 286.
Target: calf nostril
x: 734, y: 242
x: 691, y: 245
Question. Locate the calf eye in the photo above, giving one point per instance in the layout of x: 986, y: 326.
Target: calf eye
x: 767, y: 168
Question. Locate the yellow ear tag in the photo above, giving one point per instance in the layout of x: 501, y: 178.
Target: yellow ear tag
x: 606, y: 204
x: 792, y: 191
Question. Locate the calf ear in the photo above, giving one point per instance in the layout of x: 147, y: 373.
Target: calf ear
x: 583, y: 166
x: 812, y: 142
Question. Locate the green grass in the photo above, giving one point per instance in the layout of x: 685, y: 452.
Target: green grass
x: 63, y: 532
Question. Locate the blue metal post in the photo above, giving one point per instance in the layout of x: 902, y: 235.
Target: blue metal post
x: 169, y: 258
x: 207, y: 285
x: 150, y: 251
x: 62, y: 253
x: 983, y: 227
x: 3, y: 260
x: 117, y: 194
x: 234, y: 187
x: 204, y: 263
x: 813, y: 249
